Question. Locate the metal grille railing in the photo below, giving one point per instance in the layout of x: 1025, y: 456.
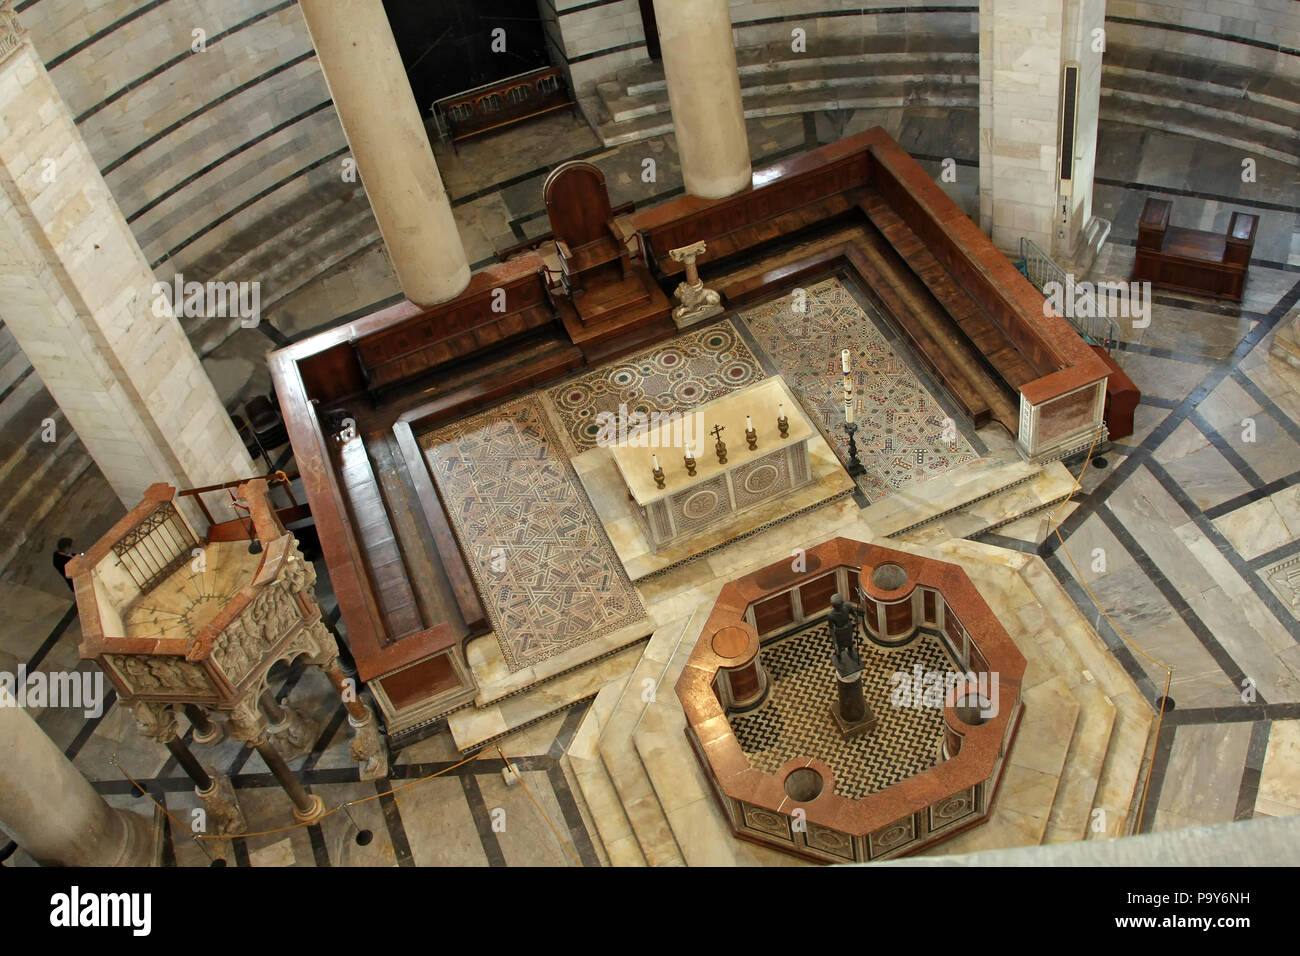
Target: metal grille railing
x: 155, y: 547
x: 1042, y: 270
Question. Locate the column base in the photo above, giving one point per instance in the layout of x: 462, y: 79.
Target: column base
x: 217, y: 735
x: 295, y: 735
x: 369, y: 748
x: 853, y: 728
x: 313, y: 813
x: 222, y: 806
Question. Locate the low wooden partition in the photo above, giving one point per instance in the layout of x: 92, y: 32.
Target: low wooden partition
x: 1062, y: 395
x: 903, y: 593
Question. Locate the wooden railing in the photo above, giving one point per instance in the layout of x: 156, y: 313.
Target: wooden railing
x: 500, y: 104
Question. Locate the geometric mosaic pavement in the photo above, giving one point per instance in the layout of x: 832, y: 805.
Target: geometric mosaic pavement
x: 548, y: 575
x: 901, y: 428
x: 795, y: 720
x: 695, y: 367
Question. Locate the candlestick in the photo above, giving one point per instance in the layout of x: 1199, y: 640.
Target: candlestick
x: 689, y: 460
x: 855, y: 466
x: 751, y: 438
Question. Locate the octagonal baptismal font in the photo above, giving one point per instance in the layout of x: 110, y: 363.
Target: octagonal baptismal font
x: 770, y: 696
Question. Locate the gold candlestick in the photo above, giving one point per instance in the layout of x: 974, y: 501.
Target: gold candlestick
x: 751, y: 438
x: 689, y: 460
x: 658, y: 474
x: 782, y: 423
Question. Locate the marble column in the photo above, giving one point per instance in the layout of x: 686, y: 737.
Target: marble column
x: 50, y: 810
x: 385, y: 131
x: 80, y: 299
x: 704, y: 93
x: 1024, y: 48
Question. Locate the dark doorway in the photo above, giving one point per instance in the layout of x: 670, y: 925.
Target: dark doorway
x: 447, y: 47
x: 651, y: 27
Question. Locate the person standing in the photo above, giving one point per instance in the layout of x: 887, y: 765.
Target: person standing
x: 62, y: 555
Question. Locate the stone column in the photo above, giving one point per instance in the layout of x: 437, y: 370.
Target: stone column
x: 81, y: 301
x: 385, y: 131
x: 1024, y: 47
x: 50, y: 810
x: 704, y: 94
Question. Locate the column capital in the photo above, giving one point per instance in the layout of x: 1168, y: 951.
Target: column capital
x: 12, y: 34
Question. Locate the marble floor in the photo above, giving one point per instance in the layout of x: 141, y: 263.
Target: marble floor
x: 1174, y: 549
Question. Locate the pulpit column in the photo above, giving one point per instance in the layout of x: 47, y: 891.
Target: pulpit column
x: 704, y: 94
x: 355, y: 46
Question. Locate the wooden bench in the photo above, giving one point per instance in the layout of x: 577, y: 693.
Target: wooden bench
x: 501, y: 303
x: 1194, y: 260
x: 503, y: 103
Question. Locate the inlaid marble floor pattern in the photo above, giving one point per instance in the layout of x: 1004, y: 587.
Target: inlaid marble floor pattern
x: 1189, y: 517
x: 795, y: 720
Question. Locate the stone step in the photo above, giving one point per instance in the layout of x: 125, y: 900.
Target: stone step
x: 1042, y: 491
x: 879, y: 49
x: 474, y: 727
x: 931, y: 92
x: 888, y: 76
x: 1031, y: 776
x: 1123, y: 768
x: 41, y: 499
x: 1155, y: 113
x: 22, y: 417
x: 1202, y: 73
x: 1214, y: 101
x: 594, y: 785
x: 635, y: 790
x: 300, y: 253
x: 1072, y: 810
x: 23, y: 483
x: 922, y: 502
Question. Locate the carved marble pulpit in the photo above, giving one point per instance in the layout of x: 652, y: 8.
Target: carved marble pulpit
x: 182, y: 622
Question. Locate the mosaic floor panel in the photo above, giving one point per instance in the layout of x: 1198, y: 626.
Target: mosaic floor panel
x: 904, y: 434
x: 547, y: 573
x: 695, y: 367
x: 795, y: 720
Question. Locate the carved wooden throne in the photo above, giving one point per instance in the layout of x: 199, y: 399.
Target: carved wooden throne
x: 609, y: 292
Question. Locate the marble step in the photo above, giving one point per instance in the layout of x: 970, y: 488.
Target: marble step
x: 474, y: 727
x: 1072, y: 810
x: 1031, y: 776
x: 297, y: 255
x: 923, y: 502
x: 1200, y: 73
x: 1118, y: 106
x: 40, y: 500
x: 595, y: 788
x: 623, y: 764
x: 1217, y: 103
x: 931, y: 92
x: 1048, y: 488
x: 800, y: 78
x: 1123, y: 768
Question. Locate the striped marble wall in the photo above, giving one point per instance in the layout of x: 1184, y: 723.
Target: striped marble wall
x: 200, y: 147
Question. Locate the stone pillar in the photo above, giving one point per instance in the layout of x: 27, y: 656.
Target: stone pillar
x: 1024, y: 48
x: 50, y: 810
x: 704, y: 94
x: 385, y: 131
x: 80, y: 299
